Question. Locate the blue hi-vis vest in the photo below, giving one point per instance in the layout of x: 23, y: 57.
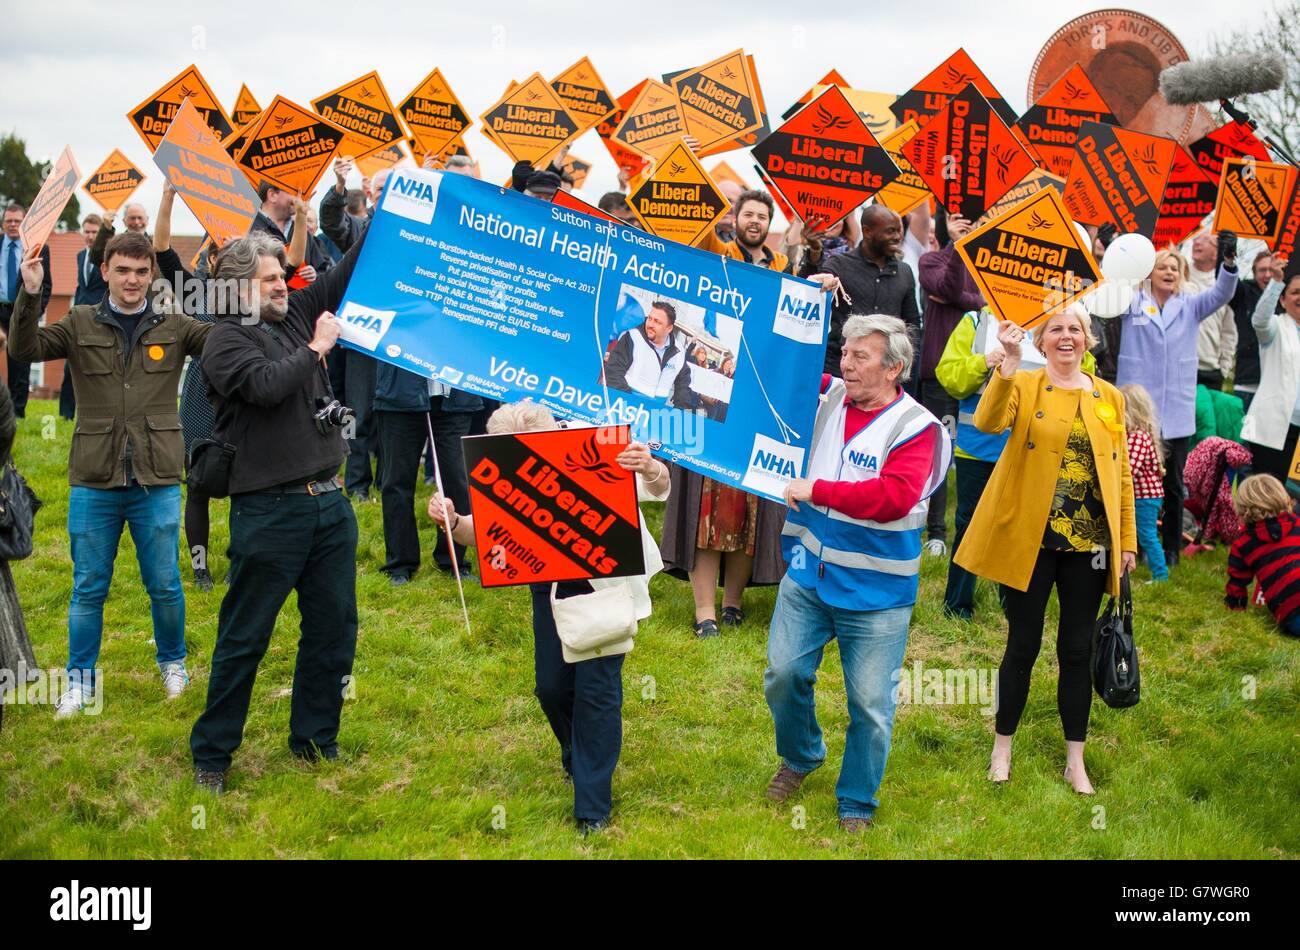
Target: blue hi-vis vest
x: 853, y: 563
x: 981, y: 445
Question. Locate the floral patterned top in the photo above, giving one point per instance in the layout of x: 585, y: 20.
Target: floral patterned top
x: 1077, y: 521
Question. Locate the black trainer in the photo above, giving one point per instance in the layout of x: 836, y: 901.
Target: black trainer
x: 214, y: 782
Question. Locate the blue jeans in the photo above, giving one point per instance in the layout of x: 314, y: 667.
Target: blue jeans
x: 872, y: 643
x: 95, y: 520
x: 1147, y: 511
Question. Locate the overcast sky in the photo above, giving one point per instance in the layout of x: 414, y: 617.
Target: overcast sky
x: 74, y: 67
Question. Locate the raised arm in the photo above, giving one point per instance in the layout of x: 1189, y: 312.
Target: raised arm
x: 1206, y: 302
x: 28, y: 341
x: 296, y: 252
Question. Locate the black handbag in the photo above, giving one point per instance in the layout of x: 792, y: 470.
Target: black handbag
x: 1114, y: 654
x: 209, y: 472
x: 18, y: 507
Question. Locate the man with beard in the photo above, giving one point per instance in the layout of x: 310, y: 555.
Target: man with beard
x: 290, y: 528
x: 874, y: 278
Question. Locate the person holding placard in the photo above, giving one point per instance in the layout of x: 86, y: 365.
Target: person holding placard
x: 126, y: 460
x: 581, y: 692
x: 852, y: 540
x: 1271, y: 428
x: 1158, y: 352
x: 1057, y: 512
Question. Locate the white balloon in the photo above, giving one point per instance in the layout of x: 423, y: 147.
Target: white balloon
x: 1129, y: 257
x: 1109, y: 299
x: 1083, y: 235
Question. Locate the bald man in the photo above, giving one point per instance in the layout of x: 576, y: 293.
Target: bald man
x: 874, y: 278
x: 134, y: 218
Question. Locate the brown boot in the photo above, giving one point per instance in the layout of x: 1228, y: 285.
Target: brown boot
x: 784, y: 783
x: 853, y: 826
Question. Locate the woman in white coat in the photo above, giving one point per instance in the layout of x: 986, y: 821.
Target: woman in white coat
x: 577, y: 653
x: 1272, y: 424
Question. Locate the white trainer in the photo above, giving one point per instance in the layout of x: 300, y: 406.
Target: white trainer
x: 936, y: 548
x: 175, y: 679
x: 70, y: 703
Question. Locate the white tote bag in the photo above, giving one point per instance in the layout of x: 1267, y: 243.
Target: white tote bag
x: 589, y: 621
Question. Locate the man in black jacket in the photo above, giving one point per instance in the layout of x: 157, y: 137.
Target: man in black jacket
x: 874, y: 279
x: 290, y: 527
x: 11, y: 281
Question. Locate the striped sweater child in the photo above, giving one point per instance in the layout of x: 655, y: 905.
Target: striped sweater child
x: 1270, y: 550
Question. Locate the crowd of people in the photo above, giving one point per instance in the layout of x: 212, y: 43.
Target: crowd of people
x: 1068, y: 442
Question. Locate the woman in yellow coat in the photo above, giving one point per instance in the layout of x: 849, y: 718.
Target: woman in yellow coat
x: 1057, y: 512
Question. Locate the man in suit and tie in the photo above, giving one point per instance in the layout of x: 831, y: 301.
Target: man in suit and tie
x: 90, y: 289
x: 11, y: 281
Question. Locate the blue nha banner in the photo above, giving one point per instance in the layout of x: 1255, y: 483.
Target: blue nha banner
x: 714, y: 363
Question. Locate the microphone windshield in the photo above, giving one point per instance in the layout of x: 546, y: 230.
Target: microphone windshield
x: 1221, y: 77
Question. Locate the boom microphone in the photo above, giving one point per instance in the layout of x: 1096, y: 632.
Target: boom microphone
x: 1221, y: 77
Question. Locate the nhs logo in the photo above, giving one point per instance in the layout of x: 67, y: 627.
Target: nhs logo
x: 801, y: 312
x: 412, y: 193
x: 363, y: 326
x: 772, y: 465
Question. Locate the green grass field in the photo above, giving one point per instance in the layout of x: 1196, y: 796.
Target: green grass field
x: 445, y: 753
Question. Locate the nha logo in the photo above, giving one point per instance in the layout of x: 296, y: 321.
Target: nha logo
x: 412, y: 193
x: 864, y: 460
x: 363, y: 325
x: 801, y: 312
x: 772, y: 465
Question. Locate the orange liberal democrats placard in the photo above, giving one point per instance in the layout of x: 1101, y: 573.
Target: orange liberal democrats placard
x: 931, y: 94
x: 1031, y: 261
x: 967, y: 155
x: 246, y: 107
x: 1036, y: 179
x: 364, y: 112
x: 678, y: 201
x: 832, y: 78
x: 114, y: 181
x: 577, y: 168
x: 386, y: 157
x: 909, y: 189
x: 1188, y: 199
x: 434, y: 115
x: 824, y: 159
x: 290, y: 146
x: 872, y: 107
x: 628, y: 160
x: 753, y: 136
x: 152, y: 117
x: 717, y: 100
x: 203, y: 174
x: 1232, y: 140
x: 653, y: 123
x: 529, y: 123
x: 1290, y: 229
x: 48, y: 205
x: 584, y: 94
x: 1051, y: 125
x: 1117, y: 177
x: 1253, y: 198
x: 553, y: 506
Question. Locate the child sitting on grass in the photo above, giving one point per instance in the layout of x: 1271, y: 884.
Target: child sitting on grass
x: 1269, y: 549
x: 1146, y: 461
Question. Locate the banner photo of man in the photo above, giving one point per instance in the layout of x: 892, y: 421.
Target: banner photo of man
x: 501, y: 294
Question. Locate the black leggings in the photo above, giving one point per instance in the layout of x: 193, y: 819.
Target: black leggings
x: 196, y: 529
x: 1079, y: 588
x: 1171, y: 525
